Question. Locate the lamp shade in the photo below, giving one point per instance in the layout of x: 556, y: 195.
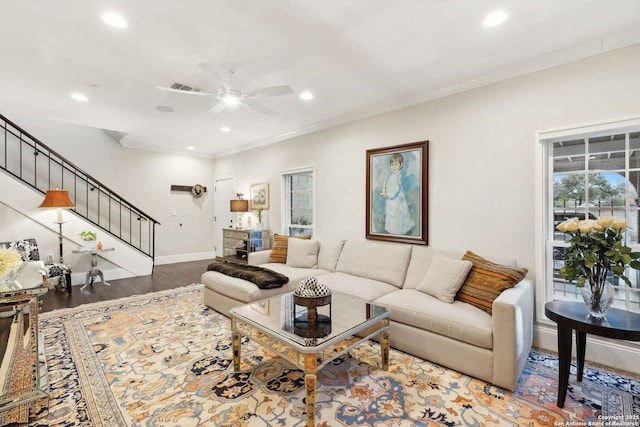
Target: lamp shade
x: 239, y: 206
x: 57, y: 199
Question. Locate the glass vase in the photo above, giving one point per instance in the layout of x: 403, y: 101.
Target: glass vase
x: 598, y: 298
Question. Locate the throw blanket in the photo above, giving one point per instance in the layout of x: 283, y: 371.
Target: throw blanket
x: 262, y: 277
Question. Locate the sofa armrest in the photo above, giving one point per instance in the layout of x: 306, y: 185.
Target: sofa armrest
x: 259, y: 257
x: 34, y: 274
x: 512, y: 333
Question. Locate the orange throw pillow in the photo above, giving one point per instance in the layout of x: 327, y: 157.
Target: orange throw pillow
x: 280, y: 246
x: 486, y: 281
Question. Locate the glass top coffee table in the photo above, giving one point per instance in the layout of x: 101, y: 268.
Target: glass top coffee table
x: 310, y: 337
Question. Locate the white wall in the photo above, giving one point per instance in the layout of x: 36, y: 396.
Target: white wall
x: 481, y: 147
x: 482, y: 150
x: 142, y: 178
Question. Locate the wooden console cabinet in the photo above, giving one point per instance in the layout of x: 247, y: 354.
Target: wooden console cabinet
x: 238, y: 243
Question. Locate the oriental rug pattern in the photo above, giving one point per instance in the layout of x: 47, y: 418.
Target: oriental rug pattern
x: 164, y: 359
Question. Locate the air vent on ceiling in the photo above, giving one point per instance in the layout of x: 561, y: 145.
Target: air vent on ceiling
x: 180, y: 86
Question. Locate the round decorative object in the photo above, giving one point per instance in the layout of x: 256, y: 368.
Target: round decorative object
x: 197, y: 190
x: 311, y: 288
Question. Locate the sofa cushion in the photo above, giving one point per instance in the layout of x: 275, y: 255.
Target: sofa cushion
x: 421, y: 257
x: 445, y: 277
x: 459, y: 321
x: 302, y: 253
x: 329, y: 253
x: 280, y: 245
x: 376, y: 261
x: 361, y: 287
x: 486, y: 281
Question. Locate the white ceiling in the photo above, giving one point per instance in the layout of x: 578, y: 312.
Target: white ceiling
x: 359, y: 58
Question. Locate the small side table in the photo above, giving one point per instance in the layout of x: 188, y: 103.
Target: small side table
x: 572, y: 315
x: 95, y: 271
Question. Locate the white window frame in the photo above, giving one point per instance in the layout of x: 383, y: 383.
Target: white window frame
x: 286, y: 211
x: 543, y: 193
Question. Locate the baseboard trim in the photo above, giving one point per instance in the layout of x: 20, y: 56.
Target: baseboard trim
x: 617, y: 354
x: 172, y: 259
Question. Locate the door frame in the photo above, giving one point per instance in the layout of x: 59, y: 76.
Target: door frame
x: 222, y: 216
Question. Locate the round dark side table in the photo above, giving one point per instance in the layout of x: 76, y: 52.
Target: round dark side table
x: 572, y: 315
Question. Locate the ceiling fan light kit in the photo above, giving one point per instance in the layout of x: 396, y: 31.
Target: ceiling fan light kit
x: 227, y: 95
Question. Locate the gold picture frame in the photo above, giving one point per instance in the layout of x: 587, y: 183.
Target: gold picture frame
x: 259, y: 196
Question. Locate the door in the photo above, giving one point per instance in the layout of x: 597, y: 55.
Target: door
x: 223, y: 191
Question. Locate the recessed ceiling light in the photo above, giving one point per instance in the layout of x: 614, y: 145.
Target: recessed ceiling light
x: 495, y: 18
x: 191, y: 148
x: 80, y: 97
x: 114, y: 20
x: 225, y: 129
x: 306, y: 95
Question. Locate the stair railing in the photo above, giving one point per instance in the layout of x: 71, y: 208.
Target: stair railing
x: 30, y: 161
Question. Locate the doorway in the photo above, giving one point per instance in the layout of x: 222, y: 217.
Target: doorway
x: 224, y: 190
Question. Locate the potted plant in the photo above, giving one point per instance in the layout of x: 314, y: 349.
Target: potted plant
x: 260, y: 210
x: 89, y: 237
x: 596, y: 252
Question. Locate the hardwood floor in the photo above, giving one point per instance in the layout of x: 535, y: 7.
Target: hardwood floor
x: 165, y: 276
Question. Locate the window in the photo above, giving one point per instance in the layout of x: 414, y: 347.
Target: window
x: 298, y: 202
x: 589, y: 172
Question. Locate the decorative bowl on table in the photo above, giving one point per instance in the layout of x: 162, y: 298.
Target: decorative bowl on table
x: 311, y: 293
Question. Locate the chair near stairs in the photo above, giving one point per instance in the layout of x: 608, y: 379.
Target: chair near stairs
x: 28, y: 250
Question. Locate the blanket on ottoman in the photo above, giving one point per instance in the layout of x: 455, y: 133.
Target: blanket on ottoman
x: 262, y: 277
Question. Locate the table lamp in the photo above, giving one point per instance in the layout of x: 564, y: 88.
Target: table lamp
x: 58, y: 199
x: 239, y: 206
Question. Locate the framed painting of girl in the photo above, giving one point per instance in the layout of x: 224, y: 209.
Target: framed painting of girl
x: 397, y: 193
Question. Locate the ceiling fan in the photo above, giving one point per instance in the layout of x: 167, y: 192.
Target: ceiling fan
x: 227, y: 95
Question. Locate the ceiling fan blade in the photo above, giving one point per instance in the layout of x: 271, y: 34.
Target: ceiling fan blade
x: 218, y: 108
x: 187, y: 92
x: 269, y: 91
x: 259, y: 107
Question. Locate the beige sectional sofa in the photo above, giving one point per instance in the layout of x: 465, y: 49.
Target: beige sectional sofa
x: 492, y: 347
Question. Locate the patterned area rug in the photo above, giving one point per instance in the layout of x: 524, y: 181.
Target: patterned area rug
x: 164, y: 359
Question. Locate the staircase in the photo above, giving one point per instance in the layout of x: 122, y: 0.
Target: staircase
x: 33, y: 165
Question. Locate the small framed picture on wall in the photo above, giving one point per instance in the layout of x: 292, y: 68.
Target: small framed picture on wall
x: 259, y: 196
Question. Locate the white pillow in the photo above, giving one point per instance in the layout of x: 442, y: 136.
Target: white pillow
x: 329, y: 253
x: 303, y: 253
x: 445, y: 277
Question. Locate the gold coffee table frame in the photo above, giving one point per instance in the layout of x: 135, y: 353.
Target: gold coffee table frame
x: 271, y: 323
